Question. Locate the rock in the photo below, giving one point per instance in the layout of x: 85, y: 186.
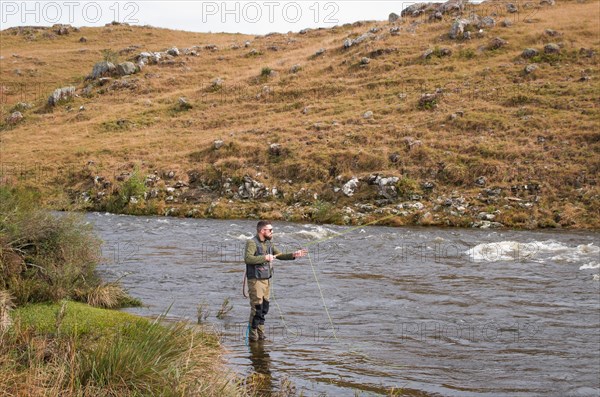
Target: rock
x: 368, y: 115
x: 21, y: 107
x: 551, y: 33
x: 587, y: 52
x: 151, y: 58
x: 530, y: 68
x: 348, y: 43
x: 362, y: 38
x: 486, y: 22
x: 441, y: 52
x: 484, y: 216
x: 169, y: 175
x: 428, y: 101
x: 529, y: 53
x: 506, y: 23
x: 393, y: 17
x: 412, y: 142
x: 436, y: 16
x: 551, y: 48
x: 14, y: 117
x: 295, y: 69
x: 251, y: 189
x: 103, y: 69
x: 450, y: 6
x: 414, y: 10
x: 395, y: 31
x: 458, y: 28
x: 61, y: 94
x: 487, y: 225
x: 428, y: 185
x: 216, y: 83
x: 275, y: 149
x: 510, y: 7
x: 83, y: 39
x: 211, y: 47
x: 184, y: 104
x: 497, y: 43
x: 61, y: 30
x: 320, y: 52
x: 481, y: 181
x: 494, y: 192
x: 547, y: 2
x: 173, y: 52
x: 218, y: 144
x: 365, y: 61
x: 126, y: 68
x: 394, y: 157
x: 350, y: 187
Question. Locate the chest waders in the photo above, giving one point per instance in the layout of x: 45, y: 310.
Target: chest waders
x: 263, y: 271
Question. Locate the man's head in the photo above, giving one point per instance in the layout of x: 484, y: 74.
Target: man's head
x: 264, y: 230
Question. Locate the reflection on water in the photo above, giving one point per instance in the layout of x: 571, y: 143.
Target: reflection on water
x: 261, y: 365
x: 429, y: 311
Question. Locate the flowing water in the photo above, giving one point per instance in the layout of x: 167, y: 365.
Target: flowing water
x: 452, y: 312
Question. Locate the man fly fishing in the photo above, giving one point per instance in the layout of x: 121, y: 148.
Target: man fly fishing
x: 259, y: 254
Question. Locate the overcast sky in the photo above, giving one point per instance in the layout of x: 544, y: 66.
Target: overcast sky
x: 251, y: 17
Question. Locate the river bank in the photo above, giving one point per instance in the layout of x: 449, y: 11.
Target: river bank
x: 58, y: 335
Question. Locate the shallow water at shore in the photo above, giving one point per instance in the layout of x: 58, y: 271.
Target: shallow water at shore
x: 455, y: 312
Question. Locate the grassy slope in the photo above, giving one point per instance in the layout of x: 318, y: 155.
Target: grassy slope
x: 515, y: 129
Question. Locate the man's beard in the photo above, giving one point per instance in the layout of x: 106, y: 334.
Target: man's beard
x: 268, y: 238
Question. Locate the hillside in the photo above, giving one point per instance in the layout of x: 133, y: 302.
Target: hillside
x: 392, y: 120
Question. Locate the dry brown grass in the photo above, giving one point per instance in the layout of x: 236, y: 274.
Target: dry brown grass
x: 514, y: 129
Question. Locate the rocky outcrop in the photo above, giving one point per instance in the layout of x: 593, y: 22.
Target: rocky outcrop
x: 61, y: 94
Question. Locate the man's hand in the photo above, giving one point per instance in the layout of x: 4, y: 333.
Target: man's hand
x: 300, y: 253
x: 269, y: 258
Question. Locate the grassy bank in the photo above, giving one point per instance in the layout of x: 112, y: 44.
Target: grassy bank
x: 271, y: 126
x: 72, y: 349
x: 54, y: 342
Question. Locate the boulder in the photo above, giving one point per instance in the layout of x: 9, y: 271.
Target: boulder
x: 529, y: 53
x: 551, y: 48
x: 350, y: 187
x: 251, y: 189
x: 275, y: 149
x: 530, y: 68
x: 393, y: 17
x: 458, y: 28
x: 61, y: 94
x: 14, y: 118
x: 496, y: 43
x: 103, y: 69
x: 451, y: 6
x: 126, y: 68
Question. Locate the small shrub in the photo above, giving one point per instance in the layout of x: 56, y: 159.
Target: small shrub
x: 466, y: 53
x: 109, y: 55
x: 407, y: 186
x: 226, y: 307
x: 266, y: 72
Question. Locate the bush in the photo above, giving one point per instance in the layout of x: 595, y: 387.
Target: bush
x: 134, y: 187
x: 44, y: 257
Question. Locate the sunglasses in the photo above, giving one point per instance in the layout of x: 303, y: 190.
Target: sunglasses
x: 269, y: 230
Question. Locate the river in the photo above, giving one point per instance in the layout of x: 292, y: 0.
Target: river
x: 427, y: 311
